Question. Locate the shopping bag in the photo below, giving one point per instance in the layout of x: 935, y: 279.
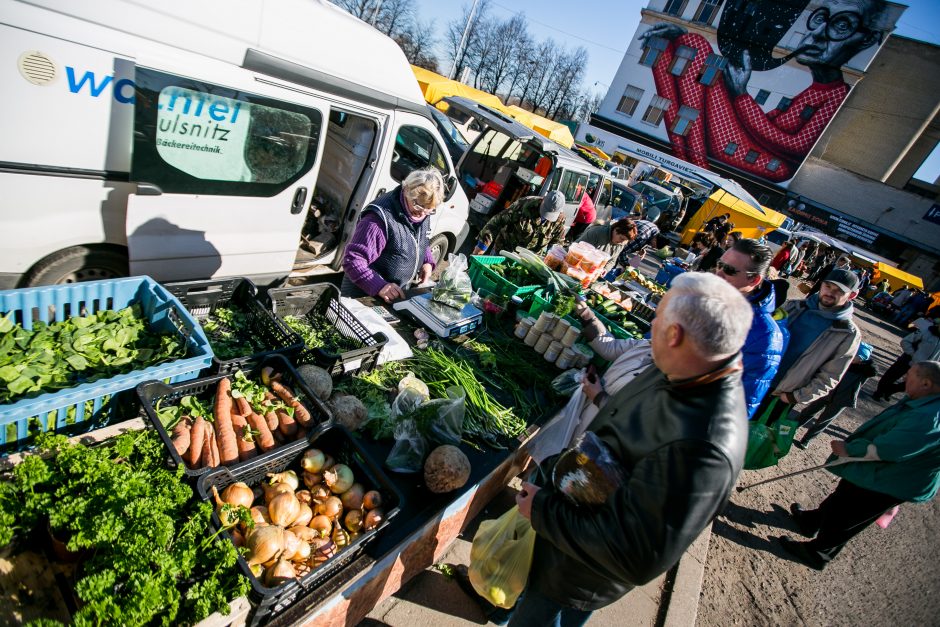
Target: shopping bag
x: 768, y: 443
x: 500, y: 558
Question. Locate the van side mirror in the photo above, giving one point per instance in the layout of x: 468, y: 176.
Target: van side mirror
x: 450, y: 186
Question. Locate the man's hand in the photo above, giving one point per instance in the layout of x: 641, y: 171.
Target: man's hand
x: 786, y: 397
x: 737, y: 77
x: 592, y: 388
x: 666, y: 31
x: 391, y: 293
x: 524, y: 499
x: 425, y: 274
x: 839, y: 448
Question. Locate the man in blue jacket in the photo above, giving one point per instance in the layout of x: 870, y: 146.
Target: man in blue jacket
x: 744, y: 266
x: 902, y: 444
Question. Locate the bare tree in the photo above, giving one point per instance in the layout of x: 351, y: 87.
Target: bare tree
x: 395, y: 16
x: 417, y: 41
x: 505, y: 38
x: 454, y: 54
x: 363, y: 9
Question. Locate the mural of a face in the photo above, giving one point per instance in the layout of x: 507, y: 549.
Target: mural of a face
x: 837, y: 31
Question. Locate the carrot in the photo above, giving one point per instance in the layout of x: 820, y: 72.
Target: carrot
x: 182, y: 434
x: 228, y: 447
x: 300, y: 412
x: 205, y: 459
x: 214, y: 441
x: 246, y: 444
x: 271, y: 419
x: 197, y: 440
x: 286, y: 425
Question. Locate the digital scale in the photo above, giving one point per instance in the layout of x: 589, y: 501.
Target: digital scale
x: 443, y: 320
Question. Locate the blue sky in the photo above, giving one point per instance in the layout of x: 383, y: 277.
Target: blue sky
x: 605, y: 28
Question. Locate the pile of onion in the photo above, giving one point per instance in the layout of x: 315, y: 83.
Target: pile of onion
x: 294, y: 524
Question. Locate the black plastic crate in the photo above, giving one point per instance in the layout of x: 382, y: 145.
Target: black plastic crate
x: 643, y: 312
x: 323, y: 299
x: 153, y: 392
x: 337, y: 442
x: 202, y: 298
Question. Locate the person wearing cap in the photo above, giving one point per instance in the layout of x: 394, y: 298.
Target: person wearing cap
x: 533, y: 222
x: 823, y: 341
x: 845, y: 395
x: 921, y: 345
x: 841, y: 263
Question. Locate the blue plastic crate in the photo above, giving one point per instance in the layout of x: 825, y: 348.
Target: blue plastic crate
x: 56, y: 303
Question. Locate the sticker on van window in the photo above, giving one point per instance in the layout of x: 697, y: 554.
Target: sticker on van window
x: 223, y: 139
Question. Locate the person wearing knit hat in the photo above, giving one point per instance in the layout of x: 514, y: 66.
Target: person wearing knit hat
x: 845, y: 395
x: 532, y: 222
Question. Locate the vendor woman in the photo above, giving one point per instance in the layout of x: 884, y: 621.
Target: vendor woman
x: 389, y: 248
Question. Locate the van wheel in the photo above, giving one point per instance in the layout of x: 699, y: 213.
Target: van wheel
x: 79, y: 263
x: 439, y: 247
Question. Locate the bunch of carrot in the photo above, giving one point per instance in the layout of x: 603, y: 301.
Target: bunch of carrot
x: 247, y: 418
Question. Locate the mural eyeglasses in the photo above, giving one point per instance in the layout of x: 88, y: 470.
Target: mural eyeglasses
x: 839, y: 26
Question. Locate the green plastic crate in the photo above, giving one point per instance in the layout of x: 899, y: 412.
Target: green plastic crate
x: 540, y: 304
x: 483, y: 278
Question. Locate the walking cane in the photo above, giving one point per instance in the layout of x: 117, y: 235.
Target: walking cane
x: 836, y: 462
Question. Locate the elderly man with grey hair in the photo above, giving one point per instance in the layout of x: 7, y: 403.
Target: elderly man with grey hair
x: 679, y: 432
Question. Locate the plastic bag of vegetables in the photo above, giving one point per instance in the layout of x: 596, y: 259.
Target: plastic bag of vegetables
x: 454, y: 288
x: 410, y: 448
x: 568, y: 382
x: 500, y: 558
x: 587, y: 473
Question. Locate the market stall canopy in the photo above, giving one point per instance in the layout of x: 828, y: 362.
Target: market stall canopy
x: 549, y: 128
x: 595, y: 151
x: 896, y: 277
x: 436, y: 87
x: 752, y: 223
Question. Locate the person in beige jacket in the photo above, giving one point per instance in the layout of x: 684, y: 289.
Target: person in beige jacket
x: 823, y: 341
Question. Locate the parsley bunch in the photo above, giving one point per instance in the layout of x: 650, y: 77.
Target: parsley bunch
x: 317, y: 332
x: 231, y: 334
x: 151, y: 556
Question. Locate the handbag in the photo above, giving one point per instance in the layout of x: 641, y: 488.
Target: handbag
x: 769, y: 443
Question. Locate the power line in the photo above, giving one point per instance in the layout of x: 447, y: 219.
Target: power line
x: 563, y: 32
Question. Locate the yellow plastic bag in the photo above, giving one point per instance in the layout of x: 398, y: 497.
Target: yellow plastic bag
x: 500, y: 558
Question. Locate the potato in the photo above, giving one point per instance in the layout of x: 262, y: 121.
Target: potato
x: 348, y: 411
x: 446, y: 469
x: 317, y: 379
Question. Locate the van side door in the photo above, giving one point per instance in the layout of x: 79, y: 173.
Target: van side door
x: 224, y: 172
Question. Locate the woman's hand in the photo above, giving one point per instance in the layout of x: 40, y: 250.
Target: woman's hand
x: 391, y: 293
x: 424, y: 275
x: 666, y: 31
x: 737, y: 77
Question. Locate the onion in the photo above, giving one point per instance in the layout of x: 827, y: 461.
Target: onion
x: 320, y: 492
x: 374, y: 518
x: 353, y: 520
x: 238, y: 494
x: 291, y: 545
x: 257, y: 570
x: 284, y: 509
x: 352, y: 498
x: 288, y: 476
x: 311, y: 479
x: 303, y: 552
x: 313, y: 461
x: 270, y: 491
x: 323, y: 549
x: 259, y: 514
x: 264, y: 544
x: 331, y: 507
x: 372, y: 499
x: 339, y: 478
x: 340, y: 538
x: 306, y: 534
x: 279, y: 573
x: 304, y: 516
x: 237, y: 538
x: 304, y: 496
x: 322, y: 525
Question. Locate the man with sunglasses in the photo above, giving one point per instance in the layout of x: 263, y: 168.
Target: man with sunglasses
x: 744, y: 266
x: 823, y: 341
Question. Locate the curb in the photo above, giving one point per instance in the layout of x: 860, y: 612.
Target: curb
x: 683, y: 596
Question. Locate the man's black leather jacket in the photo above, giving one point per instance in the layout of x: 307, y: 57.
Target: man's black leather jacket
x: 681, y: 446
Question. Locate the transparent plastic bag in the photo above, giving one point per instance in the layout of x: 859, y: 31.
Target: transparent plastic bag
x: 454, y: 288
x: 412, y: 393
x: 446, y: 427
x: 588, y: 473
x: 500, y: 558
x: 409, y: 450
x: 568, y: 382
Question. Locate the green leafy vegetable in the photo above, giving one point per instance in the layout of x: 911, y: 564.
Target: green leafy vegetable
x: 231, y: 334
x: 318, y: 332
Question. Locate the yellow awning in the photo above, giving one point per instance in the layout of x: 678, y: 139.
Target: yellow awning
x: 595, y: 150
x: 896, y: 277
x: 436, y: 87
x: 749, y: 221
x: 548, y: 128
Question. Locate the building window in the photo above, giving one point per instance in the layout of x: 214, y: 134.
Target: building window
x: 654, y: 47
x: 683, y: 122
x: 761, y: 97
x: 714, y: 64
x: 675, y: 7
x: 731, y: 148
x: 784, y: 103
x: 684, y: 54
x: 654, y: 112
x: 807, y: 112
x: 707, y: 11
x: 751, y: 156
x: 629, y: 100
x: 773, y: 165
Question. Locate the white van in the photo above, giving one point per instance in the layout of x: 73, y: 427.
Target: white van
x: 190, y: 140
